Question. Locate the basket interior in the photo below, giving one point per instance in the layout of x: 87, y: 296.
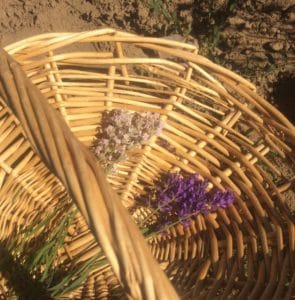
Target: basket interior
x: 215, y: 125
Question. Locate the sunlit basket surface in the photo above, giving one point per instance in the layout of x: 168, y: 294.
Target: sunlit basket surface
x: 219, y: 127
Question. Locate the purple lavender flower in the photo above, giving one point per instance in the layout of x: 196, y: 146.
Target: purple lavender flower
x: 120, y: 131
x: 177, y: 197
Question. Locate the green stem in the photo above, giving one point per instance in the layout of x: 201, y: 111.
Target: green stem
x: 148, y: 236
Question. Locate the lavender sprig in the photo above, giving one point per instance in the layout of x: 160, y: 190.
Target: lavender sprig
x: 122, y: 130
x: 176, y: 197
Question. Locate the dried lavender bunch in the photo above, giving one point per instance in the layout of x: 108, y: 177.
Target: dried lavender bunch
x: 122, y: 130
x: 176, y: 197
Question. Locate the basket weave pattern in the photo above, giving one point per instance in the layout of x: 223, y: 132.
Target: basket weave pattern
x: 245, y: 250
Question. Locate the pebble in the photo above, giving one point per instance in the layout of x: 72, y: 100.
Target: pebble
x: 248, y: 25
x: 218, y: 51
x: 276, y: 46
x: 236, y: 21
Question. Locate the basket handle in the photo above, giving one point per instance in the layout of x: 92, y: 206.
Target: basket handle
x: 85, y: 182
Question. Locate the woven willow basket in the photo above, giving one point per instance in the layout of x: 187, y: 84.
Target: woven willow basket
x: 53, y: 91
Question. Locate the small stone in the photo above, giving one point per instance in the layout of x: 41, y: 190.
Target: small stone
x: 218, y: 51
x: 218, y: 4
x: 276, y: 46
x: 236, y: 21
x: 248, y: 25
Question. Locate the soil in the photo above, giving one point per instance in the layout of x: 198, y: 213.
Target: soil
x: 252, y: 37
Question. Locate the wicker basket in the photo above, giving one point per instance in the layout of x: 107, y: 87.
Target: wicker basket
x: 219, y: 128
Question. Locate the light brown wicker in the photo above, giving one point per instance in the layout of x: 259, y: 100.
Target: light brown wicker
x: 217, y: 123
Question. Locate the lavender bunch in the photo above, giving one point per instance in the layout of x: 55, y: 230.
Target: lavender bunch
x: 176, y: 197
x: 122, y: 130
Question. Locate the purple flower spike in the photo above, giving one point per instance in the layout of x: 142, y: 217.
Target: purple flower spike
x: 177, y: 197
